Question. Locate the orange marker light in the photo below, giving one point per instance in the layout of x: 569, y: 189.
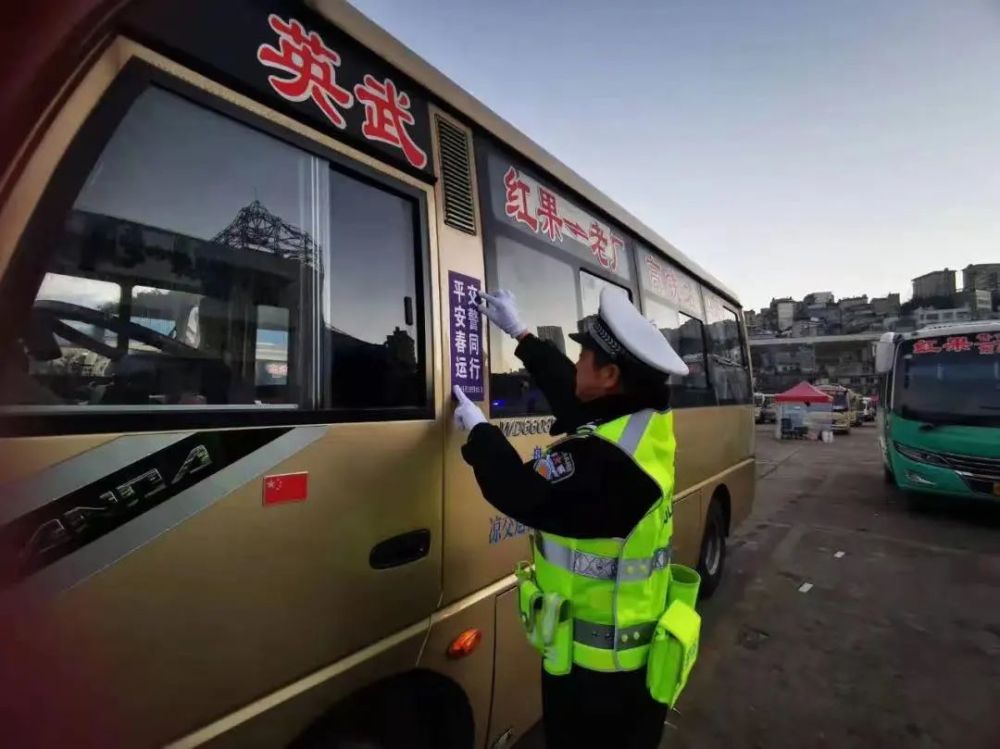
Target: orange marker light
x: 465, y: 643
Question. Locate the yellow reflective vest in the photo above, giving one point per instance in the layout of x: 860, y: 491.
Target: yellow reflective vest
x: 616, y: 588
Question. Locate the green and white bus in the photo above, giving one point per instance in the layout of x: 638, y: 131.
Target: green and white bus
x: 939, y: 409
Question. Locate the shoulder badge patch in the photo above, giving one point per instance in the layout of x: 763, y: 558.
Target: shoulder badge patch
x: 555, y: 467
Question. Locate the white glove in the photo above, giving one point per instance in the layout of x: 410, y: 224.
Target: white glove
x: 501, y: 310
x: 467, y: 413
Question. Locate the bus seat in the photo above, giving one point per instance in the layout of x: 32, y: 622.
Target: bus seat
x: 40, y: 341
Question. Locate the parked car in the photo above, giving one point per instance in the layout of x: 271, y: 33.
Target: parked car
x: 764, y: 410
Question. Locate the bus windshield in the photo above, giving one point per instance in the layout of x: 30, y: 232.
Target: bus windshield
x: 941, y: 383
x: 839, y: 400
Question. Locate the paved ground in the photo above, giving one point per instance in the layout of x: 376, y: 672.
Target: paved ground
x: 897, y: 643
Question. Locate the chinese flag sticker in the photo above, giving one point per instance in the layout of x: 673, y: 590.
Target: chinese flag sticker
x: 286, y: 487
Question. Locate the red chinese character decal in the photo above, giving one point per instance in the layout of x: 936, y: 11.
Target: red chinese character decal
x: 387, y: 113
x: 926, y: 346
x: 575, y: 229
x: 311, y: 65
x: 957, y: 344
x: 516, y: 205
x: 988, y: 347
x: 653, y: 271
x: 617, y: 245
x: 548, y: 214
x: 671, y: 288
x: 599, y: 245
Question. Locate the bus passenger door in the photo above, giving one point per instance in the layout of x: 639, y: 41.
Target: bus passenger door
x: 517, y: 698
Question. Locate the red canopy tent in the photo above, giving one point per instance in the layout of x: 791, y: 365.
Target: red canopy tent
x: 803, y: 393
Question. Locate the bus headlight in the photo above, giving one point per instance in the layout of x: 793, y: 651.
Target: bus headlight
x: 921, y: 456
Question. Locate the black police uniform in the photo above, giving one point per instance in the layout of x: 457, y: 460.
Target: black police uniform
x: 600, y: 492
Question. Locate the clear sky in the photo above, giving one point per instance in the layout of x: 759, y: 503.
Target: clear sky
x: 788, y: 145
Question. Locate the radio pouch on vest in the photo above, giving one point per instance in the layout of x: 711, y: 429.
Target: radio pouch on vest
x: 673, y: 652
x: 557, y: 634
x: 684, y: 585
x: 529, y: 603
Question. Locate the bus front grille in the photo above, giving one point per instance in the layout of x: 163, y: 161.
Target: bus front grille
x: 974, y: 466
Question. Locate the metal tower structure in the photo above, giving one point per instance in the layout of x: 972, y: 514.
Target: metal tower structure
x: 256, y: 228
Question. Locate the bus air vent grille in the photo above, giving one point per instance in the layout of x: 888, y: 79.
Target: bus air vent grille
x: 456, y: 173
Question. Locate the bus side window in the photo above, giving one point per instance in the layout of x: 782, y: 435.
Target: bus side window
x: 546, y: 294
x: 730, y: 370
x: 672, y: 300
x: 371, y: 357
x: 188, y: 227
x: 591, y: 287
x: 204, y: 263
x: 687, y: 337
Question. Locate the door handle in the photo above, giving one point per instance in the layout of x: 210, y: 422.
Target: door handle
x: 401, y: 549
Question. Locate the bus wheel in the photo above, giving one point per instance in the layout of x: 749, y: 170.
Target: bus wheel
x: 712, y: 559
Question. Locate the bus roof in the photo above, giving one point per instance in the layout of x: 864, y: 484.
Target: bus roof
x: 355, y: 23
x: 954, y: 328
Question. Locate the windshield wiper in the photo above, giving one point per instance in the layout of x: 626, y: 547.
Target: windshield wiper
x: 933, y: 421
x: 930, y: 421
x: 963, y: 420
x: 908, y: 413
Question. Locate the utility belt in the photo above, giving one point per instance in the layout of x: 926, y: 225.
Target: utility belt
x: 548, y: 622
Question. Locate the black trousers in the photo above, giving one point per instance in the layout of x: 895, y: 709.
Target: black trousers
x: 587, y: 709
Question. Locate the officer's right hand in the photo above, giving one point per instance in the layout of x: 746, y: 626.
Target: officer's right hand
x: 467, y: 413
x: 501, y: 310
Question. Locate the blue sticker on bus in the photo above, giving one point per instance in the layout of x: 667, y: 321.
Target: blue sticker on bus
x: 503, y: 527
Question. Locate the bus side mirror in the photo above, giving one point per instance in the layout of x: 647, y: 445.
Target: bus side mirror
x: 885, y: 351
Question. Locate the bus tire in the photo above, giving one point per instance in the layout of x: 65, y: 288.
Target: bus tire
x: 419, y: 710
x: 712, y: 557
x: 887, y: 475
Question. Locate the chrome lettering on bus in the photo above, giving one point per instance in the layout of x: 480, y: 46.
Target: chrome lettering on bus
x: 143, y: 486
x: 112, y: 505
x: 526, y: 426
x: 196, y: 460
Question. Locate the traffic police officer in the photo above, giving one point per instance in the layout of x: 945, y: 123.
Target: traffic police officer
x: 599, y: 500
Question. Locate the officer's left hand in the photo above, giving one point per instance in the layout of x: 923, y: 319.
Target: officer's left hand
x: 467, y: 413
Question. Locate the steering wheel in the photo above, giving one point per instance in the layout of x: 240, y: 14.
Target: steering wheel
x: 54, y: 314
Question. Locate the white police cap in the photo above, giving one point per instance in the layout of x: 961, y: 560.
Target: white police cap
x: 619, y: 329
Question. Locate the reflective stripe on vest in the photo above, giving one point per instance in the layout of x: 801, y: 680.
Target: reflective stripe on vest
x: 617, y: 587
x: 599, y: 566
x: 603, y: 635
